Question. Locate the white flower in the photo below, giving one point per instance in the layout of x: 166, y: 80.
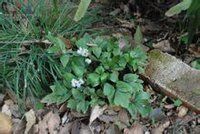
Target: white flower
x: 83, y: 52
x: 88, y: 61
x: 77, y: 83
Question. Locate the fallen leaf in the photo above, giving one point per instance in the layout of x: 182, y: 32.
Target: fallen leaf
x: 113, y: 129
x: 135, y: 129
x: 76, y: 127
x: 182, y: 111
x: 164, y: 46
x: 53, y: 123
x: 96, y: 112
x: 160, y: 129
x: 5, y: 124
x: 30, y: 119
x: 49, y: 124
x: 65, y: 129
x: 6, y: 110
x: 85, y: 129
x: 123, y: 116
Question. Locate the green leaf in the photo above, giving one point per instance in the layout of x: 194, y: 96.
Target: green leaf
x: 122, y: 99
x: 71, y: 103
x: 130, y: 78
x: 64, y: 60
x: 83, y: 106
x: 78, y: 69
x: 77, y: 94
x: 100, y: 70
x: 138, y: 37
x: 114, y: 76
x: 97, y: 51
x: 177, y: 102
x: 109, y: 91
x: 82, y: 8
x: 93, y: 79
x: 83, y: 41
x: 184, y: 5
x: 104, y: 77
x: 124, y: 87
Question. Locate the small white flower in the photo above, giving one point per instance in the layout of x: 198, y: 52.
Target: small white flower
x: 83, y: 52
x: 81, y: 81
x: 74, y: 82
x: 88, y: 61
x: 77, y: 83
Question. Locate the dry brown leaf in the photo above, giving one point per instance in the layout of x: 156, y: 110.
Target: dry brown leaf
x: 160, y: 128
x: 135, y: 129
x: 30, y: 119
x: 5, y: 124
x: 182, y: 111
x: 85, y: 129
x: 163, y: 45
x: 123, y: 116
x: 96, y: 112
x: 53, y: 123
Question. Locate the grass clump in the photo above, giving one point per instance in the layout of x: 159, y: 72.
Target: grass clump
x: 26, y: 67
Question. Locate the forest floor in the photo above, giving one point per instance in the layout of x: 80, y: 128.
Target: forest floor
x: 169, y: 116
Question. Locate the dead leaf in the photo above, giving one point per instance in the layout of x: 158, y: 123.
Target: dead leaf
x: 76, y: 127
x: 53, y: 123
x: 182, y: 111
x: 113, y: 129
x: 5, y: 124
x: 18, y: 126
x: 123, y: 116
x: 6, y: 110
x: 49, y: 124
x: 160, y: 129
x: 66, y: 129
x: 85, y: 129
x: 164, y: 46
x: 30, y: 119
x: 96, y: 112
x: 135, y: 129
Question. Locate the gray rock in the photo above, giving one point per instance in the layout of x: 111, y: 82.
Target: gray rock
x: 174, y: 78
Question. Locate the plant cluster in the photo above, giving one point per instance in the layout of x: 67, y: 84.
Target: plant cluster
x: 98, y: 72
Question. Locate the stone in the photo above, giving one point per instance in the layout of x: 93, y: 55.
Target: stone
x: 171, y: 76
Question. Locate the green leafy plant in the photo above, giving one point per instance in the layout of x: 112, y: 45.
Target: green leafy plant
x: 97, y: 72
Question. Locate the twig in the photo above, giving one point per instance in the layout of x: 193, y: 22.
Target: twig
x: 27, y: 42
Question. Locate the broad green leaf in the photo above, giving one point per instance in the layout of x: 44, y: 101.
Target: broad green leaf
x: 71, y: 103
x: 97, y: 51
x: 77, y: 94
x: 82, y: 106
x: 138, y: 37
x: 184, y: 5
x: 100, y: 70
x: 64, y: 60
x: 93, y: 79
x: 109, y: 91
x: 104, y: 77
x: 78, y: 69
x: 124, y: 87
x: 130, y: 78
x: 83, y: 41
x: 122, y: 99
x: 114, y: 76
x: 82, y: 8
